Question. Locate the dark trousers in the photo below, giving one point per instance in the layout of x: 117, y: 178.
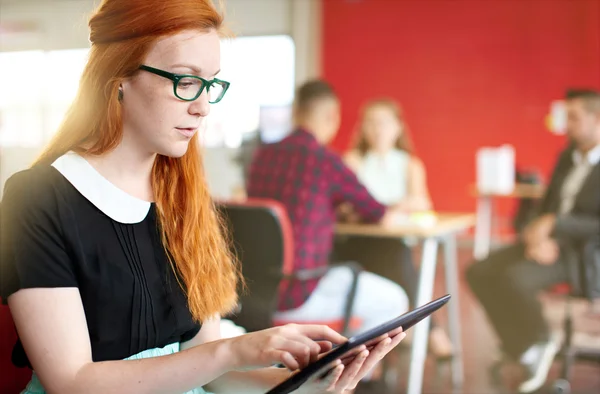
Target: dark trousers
x: 386, y: 257
x: 507, y: 285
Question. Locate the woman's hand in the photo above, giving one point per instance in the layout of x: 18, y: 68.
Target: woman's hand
x: 545, y: 252
x: 347, y: 214
x: 346, y: 374
x: 539, y: 230
x: 292, y: 345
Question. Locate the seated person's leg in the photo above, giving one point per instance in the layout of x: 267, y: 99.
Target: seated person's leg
x: 378, y: 300
x: 486, y: 280
x: 392, y: 259
x: 327, y: 301
x: 507, y: 285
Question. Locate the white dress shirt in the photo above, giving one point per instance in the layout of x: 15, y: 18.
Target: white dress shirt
x: 582, y: 166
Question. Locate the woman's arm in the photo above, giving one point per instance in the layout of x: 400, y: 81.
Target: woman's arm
x: 418, y: 194
x: 352, y: 159
x: 52, y: 327
x: 250, y: 382
x: 342, y: 380
x: 345, y: 211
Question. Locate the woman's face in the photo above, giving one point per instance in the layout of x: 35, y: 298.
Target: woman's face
x: 381, y: 128
x: 153, y: 117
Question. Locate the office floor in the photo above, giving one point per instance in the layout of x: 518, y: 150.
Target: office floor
x: 480, y: 350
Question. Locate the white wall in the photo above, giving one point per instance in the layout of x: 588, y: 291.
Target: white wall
x: 15, y: 159
x: 62, y: 24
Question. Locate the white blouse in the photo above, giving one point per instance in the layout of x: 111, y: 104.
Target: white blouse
x: 385, y: 177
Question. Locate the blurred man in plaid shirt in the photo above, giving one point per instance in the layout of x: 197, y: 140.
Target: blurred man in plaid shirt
x: 311, y: 182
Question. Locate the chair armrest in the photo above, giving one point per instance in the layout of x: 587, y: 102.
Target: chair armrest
x: 317, y: 273
x: 308, y: 274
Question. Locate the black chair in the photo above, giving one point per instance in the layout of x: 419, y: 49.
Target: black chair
x: 263, y: 241
x: 590, y: 285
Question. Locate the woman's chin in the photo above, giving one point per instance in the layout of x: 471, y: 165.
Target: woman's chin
x: 176, y: 150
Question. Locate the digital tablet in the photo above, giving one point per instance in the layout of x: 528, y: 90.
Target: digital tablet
x: 405, y: 321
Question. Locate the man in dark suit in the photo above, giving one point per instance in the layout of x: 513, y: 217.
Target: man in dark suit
x: 561, y: 244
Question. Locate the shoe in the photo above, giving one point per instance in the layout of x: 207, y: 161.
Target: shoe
x: 538, y: 360
x: 440, y: 345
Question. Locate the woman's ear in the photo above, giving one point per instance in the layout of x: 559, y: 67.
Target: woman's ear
x: 125, y: 86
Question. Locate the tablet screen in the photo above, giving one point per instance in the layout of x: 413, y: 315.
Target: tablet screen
x: 344, y: 351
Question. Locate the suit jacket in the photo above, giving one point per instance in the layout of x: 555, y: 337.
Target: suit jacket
x: 577, y: 232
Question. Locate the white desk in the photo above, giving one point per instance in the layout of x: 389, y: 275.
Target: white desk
x: 444, y: 231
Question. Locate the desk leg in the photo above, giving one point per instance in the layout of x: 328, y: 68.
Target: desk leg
x: 421, y: 330
x: 452, y: 287
x: 483, y: 228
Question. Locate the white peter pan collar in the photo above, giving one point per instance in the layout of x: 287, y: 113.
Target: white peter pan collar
x: 112, y: 201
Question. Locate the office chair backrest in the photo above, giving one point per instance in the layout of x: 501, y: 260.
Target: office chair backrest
x: 13, y: 379
x: 262, y: 239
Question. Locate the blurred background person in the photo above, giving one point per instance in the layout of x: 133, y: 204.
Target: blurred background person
x: 383, y: 158
x: 554, y: 248
x: 310, y: 181
x: 384, y: 161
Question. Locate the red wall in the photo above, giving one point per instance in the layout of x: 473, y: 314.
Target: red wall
x: 469, y: 73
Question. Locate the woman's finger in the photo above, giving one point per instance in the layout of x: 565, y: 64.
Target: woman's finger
x: 321, y: 333
x: 347, y: 379
x: 378, y: 353
x: 298, y: 349
x: 395, y: 332
x: 375, y: 341
x: 329, y: 382
x: 396, y: 339
x: 325, y: 346
x: 348, y: 357
x: 324, y: 379
x: 314, y: 347
x: 375, y: 356
x: 285, y: 358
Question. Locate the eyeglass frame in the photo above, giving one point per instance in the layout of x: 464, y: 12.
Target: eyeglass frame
x: 178, y: 77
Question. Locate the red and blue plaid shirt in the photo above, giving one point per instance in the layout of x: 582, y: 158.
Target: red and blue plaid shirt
x: 310, y: 181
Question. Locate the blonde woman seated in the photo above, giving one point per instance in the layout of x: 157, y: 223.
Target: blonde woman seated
x: 384, y: 162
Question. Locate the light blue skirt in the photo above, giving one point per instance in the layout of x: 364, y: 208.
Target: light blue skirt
x: 35, y: 387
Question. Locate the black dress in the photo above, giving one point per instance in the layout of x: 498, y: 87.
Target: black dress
x: 66, y: 226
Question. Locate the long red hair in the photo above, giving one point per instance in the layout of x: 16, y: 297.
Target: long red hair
x: 121, y: 33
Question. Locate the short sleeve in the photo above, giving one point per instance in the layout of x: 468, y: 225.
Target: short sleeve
x: 32, y: 246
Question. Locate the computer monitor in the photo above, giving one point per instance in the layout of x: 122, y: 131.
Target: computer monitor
x: 275, y: 123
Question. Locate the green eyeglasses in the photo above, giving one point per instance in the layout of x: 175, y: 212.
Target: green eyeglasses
x: 190, y: 87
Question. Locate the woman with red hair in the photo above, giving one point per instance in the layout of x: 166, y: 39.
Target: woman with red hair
x: 112, y: 253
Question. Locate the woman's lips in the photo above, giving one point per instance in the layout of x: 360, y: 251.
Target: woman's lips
x: 187, y: 131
